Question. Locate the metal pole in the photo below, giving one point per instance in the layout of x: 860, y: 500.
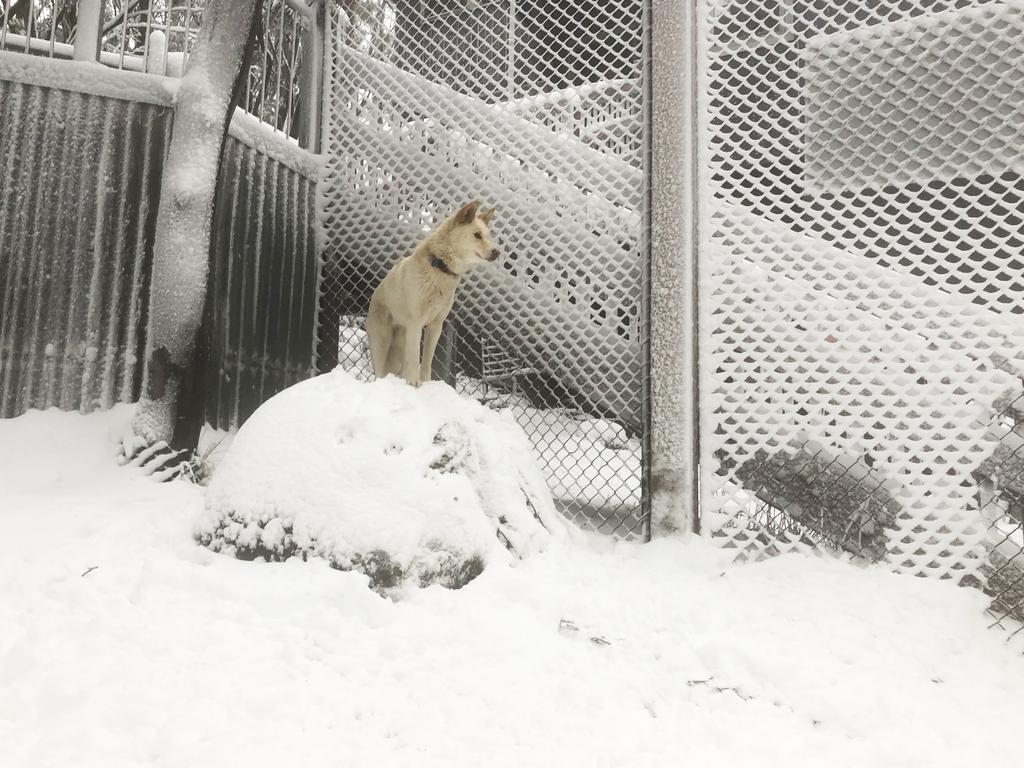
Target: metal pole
x: 311, y: 91
x: 90, y: 24
x: 7, y: 23
x: 511, y: 59
x: 53, y: 27
x: 156, y: 52
x: 292, y: 78
x: 146, y: 39
x: 124, y: 35
x: 672, y: 307
x: 30, y: 29
x: 261, y: 95
x: 280, y: 59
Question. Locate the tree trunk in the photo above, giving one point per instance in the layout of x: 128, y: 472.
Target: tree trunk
x: 182, y: 240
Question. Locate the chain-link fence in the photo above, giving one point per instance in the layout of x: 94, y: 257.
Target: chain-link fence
x: 862, y: 278
x: 536, y: 108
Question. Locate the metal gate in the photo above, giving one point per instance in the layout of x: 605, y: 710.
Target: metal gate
x: 862, y: 282
x: 538, y: 109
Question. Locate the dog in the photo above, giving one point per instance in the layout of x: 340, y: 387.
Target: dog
x: 414, y: 298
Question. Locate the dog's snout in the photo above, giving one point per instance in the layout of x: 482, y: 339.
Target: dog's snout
x: 494, y: 255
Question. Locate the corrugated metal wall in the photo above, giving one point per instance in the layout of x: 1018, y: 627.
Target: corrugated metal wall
x: 79, y: 190
x: 261, y: 304
x: 79, y: 186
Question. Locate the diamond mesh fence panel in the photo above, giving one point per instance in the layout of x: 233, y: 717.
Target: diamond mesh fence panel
x: 536, y: 108
x: 862, y: 278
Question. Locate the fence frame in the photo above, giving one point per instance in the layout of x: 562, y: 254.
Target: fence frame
x: 671, y: 485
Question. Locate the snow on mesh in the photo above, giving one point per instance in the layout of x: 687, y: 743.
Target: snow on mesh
x: 267, y: 140
x: 87, y: 77
x: 861, y: 275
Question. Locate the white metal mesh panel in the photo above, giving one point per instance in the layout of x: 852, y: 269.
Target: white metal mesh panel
x: 862, y: 279
x: 535, y: 108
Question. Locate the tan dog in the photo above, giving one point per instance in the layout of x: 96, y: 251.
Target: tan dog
x: 415, y: 297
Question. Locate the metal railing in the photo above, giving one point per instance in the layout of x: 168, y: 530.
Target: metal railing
x: 152, y: 36
x: 282, y: 86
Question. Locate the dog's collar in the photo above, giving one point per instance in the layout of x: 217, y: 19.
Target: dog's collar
x: 437, y: 263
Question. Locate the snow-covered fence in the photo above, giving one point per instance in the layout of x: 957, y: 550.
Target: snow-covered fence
x: 539, y: 112
x: 159, y: 33
x: 154, y: 36
x: 602, y: 115
x: 282, y: 86
x: 80, y: 160
x: 861, y: 291
x: 80, y: 170
x: 261, y: 301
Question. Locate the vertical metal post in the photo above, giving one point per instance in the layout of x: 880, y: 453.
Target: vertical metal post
x: 278, y: 65
x: 511, y: 57
x: 90, y: 23
x: 147, y: 39
x: 7, y: 24
x: 325, y: 21
x: 30, y: 29
x: 124, y: 36
x: 156, y: 53
x: 290, y: 113
x: 311, y: 92
x: 672, y: 309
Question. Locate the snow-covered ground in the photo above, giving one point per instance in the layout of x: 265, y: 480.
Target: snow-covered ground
x: 123, y: 643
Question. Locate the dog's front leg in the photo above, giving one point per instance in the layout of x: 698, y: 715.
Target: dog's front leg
x: 411, y: 366
x: 430, y: 336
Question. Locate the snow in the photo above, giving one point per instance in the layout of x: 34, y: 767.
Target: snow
x: 941, y: 114
x: 1007, y: 535
x: 167, y: 654
x: 587, y: 461
x: 87, y: 77
x: 274, y: 144
x: 573, y: 94
x: 935, y: 352
x: 875, y: 34
x: 341, y: 469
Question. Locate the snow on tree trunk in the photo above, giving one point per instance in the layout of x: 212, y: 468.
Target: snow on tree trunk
x: 182, y: 240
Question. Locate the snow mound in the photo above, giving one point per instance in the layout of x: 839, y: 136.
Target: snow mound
x: 405, y: 485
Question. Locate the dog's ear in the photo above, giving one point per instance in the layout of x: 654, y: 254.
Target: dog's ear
x: 487, y: 214
x: 467, y: 213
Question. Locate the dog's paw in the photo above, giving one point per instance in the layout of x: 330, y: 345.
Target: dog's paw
x: 413, y: 381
